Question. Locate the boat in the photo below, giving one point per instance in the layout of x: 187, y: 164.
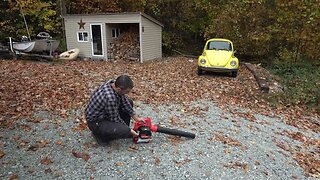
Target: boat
x: 44, y: 44
x: 69, y: 55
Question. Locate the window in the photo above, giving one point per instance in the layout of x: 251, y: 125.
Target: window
x: 115, y: 32
x: 83, y: 37
x: 219, y: 45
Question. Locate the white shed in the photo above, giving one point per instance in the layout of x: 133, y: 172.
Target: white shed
x: 94, y: 34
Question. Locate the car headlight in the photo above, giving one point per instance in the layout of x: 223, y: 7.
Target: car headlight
x: 202, y: 61
x: 233, y: 63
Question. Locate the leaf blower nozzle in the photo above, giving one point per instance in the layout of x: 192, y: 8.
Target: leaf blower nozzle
x: 146, y: 128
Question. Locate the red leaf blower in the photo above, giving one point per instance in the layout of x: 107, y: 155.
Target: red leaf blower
x: 145, y: 130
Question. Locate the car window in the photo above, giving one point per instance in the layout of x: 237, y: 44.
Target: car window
x: 219, y: 45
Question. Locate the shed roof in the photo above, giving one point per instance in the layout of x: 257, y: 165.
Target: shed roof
x: 136, y: 13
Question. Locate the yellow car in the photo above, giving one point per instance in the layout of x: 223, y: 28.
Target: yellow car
x: 218, y: 56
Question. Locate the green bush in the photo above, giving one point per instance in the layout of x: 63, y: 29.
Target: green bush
x: 302, y: 81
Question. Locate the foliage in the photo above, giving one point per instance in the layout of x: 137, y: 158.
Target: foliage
x: 90, y: 6
x: 39, y: 15
x: 263, y: 28
x: 302, y: 81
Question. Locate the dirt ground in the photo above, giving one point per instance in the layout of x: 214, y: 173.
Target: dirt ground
x: 29, y: 87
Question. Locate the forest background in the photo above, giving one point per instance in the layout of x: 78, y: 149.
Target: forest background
x: 282, y: 35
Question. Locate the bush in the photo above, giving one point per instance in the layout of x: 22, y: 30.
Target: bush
x: 302, y: 82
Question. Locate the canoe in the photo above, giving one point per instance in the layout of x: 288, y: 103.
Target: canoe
x: 70, y: 55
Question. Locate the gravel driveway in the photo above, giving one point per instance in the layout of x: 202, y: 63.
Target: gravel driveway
x: 225, y: 147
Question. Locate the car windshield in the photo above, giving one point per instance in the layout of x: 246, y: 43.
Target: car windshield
x: 219, y: 45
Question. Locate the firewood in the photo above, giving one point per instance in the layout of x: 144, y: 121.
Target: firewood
x: 125, y: 47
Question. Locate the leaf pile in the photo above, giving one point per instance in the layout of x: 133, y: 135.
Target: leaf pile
x: 27, y: 86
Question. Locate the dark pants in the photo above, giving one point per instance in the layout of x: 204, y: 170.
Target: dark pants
x: 106, y: 130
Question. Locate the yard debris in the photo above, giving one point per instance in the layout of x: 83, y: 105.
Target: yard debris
x: 235, y: 165
x: 175, y: 140
x: 27, y: 87
x: 309, y: 162
x: 83, y: 156
x: 59, y: 87
x: 80, y: 126
x: 133, y: 148
x: 181, y: 163
x: 2, y: 154
x: 225, y: 140
x: 46, y: 161
x: 119, y: 163
x: 157, y: 161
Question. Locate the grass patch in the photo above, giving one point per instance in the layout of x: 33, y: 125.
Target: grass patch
x: 302, y: 84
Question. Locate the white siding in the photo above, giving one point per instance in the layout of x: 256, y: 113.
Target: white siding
x: 151, y: 36
x: 72, y: 28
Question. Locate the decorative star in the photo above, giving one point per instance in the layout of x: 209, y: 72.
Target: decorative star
x: 81, y: 24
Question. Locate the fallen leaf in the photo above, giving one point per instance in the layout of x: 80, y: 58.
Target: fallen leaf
x: 13, y: 177
x: 119, y: 163
x: 23, y: 143
x: 296, y: 136
x: 62, y: 134
x: 225, y: 140
x: 58, y: 142
x: 16, y: 138
x: 164, y: 145
x: 82, y: 125
x: 235, y: 165
x: 227, y: 151
x: 42, y: 143
x: 48, y: 170
x: 181, y: 163
x: 36, y: 120
x: 2, y: 154
x: 46, y: 161
x: 133, y: 147
x: 83, y: 156
x: 33, y: 147
x: 310, y: 162
x: 157, y: 161
x: 175, y: 140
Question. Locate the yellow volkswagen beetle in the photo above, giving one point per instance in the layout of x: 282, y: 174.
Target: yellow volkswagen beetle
x: 218, y: 56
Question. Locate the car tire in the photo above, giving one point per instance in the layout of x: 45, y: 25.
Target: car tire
x: 234, y: 74
x: 200, y: 71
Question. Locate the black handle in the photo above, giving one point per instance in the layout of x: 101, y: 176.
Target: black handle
x: 175, y: 132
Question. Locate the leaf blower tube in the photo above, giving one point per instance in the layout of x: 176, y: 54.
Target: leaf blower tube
x: 174, y: 132
x: 145, y: 128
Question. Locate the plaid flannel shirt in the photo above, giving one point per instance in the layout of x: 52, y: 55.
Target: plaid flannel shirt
x: 104, y: 105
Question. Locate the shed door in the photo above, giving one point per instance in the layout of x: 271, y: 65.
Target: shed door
x: 96, y: 34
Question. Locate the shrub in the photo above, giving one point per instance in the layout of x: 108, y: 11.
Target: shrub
x: 302, y: 82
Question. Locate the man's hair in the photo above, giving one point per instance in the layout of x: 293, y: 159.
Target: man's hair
x: 124, y: 82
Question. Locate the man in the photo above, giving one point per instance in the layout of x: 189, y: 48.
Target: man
x: 109, y: 111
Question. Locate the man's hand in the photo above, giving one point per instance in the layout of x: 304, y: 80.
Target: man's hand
x: 137, y: 118
x: 140, y: 119
x: 134, y: 134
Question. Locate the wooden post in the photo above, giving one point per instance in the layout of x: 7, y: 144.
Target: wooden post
x: 14, y: 55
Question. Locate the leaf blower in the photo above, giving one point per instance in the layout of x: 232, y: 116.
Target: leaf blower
x: 145, y: 130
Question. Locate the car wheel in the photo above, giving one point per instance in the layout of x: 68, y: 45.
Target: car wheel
x: 200, y: 71
x: 234, y: 73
